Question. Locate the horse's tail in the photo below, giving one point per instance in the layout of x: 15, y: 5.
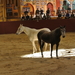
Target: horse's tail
x: 39, y: 39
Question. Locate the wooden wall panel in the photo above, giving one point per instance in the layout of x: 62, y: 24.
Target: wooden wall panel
x: 11, y: 27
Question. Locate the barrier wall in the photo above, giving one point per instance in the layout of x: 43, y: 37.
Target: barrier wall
x: 11, y: 27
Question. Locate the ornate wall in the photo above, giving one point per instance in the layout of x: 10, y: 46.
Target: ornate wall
x: 44, y: 4
x: 12, y: 9
x: 9, y: 9
x: 52, y: 4
x: 1, y: 10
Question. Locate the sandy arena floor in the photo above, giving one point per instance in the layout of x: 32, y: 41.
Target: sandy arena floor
x: 13, y: 46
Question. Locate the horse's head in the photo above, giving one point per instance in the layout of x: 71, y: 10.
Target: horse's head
x: 20, y: 29
x: 62, y: 28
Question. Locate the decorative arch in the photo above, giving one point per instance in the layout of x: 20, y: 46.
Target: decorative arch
x: 57, y: 4
x: 29, y: 7
x: 50, y: 6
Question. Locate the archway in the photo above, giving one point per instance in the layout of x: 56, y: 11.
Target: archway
x: 50, y: 6
x: 57, y: 4
x: 29, y: 7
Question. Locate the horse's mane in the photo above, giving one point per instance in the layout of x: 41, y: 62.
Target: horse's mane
x: 29, y: 27
x: 55, y: 30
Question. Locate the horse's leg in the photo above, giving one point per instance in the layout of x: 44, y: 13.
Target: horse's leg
x: 57, y: 50
x: 39, y: 41
x: 41, y: 47
x: 41, y: 51
x: 51, y: 49
x: 41, y: 44
x: 46, y: 46
x: 50, y: 46
x: 34, y: 47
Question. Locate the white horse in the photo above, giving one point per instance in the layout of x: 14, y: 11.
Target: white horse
x: 32, y: 34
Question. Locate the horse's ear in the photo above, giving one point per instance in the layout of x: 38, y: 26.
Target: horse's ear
x: 21, y: 24
x: 60, y: 26
x: 64, y: 26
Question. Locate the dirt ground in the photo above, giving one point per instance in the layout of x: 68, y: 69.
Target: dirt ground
x: 13, y: 46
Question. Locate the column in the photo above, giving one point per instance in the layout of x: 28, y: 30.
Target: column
x: 0, y: 1
x: 7, y: 1
x: 4, y: 10
x: 61, y: 3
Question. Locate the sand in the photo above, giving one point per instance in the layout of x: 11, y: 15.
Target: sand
x: 13, y: 46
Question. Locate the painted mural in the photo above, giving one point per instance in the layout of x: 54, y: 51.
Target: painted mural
x: 44, y: 4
